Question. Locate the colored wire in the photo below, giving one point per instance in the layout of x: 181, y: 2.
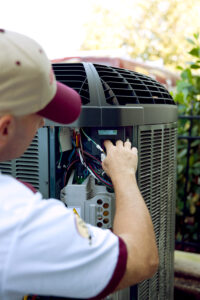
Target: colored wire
x: 60, y: 148
x: 90, y: 168
x: 81, y: 148
x: 68, y: 168
x: 81, y: 157
x: 94, y: 166
x: 93, y: 157
x: 71, y: 155
x: 91, y: 140
x: 100, y: 178
x: 85, y: 165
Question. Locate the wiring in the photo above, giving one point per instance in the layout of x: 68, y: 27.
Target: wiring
x: 99, y: 177
x: 93, y: 157
x: 91, y: 140
x: 60, y: 149
x: 84, y: 164
x: 90, y: 164
x: 71, y: 155
x: 68, y: 168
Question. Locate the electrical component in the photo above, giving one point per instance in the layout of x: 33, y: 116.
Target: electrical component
x: 92, y: 202
x: 87, y: 189
x: 65, y: 139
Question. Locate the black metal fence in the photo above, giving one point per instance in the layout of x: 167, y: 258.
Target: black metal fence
x: 188, y: 185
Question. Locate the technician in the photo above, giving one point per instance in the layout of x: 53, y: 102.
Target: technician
x: 45, y: 248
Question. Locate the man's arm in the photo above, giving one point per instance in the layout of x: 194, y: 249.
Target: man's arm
x: 132, y: 220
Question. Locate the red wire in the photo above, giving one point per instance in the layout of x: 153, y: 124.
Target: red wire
x: 100, y: 178
x: 68, y: 170
x: 77, y: 138
x: 90, y: 155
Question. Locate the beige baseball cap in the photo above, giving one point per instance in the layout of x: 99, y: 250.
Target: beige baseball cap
x: 27, y: 82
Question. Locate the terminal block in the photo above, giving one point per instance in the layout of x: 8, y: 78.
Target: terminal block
x: 91, y: 201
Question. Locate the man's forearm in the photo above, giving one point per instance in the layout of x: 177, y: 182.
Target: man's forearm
x: 132, y: 220
x: 133, y: 223
x: 131, y: 209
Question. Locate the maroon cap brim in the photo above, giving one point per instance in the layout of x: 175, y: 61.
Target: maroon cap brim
x: 65, y: 107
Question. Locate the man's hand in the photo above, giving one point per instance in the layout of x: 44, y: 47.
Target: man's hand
x: 121, y: 159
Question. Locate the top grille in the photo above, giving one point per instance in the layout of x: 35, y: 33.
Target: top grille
x: 128, y: 87
x: 116, y: 97
x: 73, y: 75
x: 120, y: 86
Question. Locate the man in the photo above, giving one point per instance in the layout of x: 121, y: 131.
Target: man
x: 44, y: 248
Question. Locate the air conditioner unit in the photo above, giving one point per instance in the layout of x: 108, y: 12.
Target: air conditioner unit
x: 117, y: 104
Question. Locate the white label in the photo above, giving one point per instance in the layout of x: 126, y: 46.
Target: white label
x: 65, y: 139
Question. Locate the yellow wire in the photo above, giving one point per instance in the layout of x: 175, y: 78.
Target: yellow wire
x: 26, y: 297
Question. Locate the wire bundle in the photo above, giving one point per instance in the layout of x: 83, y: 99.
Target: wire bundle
x: 91, y: 164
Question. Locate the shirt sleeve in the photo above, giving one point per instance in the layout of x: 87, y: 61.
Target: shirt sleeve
x: 55, y: 253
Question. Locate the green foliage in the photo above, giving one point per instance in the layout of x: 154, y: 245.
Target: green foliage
x: 187, y: 97
x: 150, y: 30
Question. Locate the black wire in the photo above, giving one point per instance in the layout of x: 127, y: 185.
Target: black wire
x: 104, y: 181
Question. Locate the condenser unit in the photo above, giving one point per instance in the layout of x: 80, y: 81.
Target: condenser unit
x: 117, y: 104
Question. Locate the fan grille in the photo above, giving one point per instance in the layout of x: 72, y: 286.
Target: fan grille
x: 74, y: 76
x: 120, y: 86
x: 129, y: 87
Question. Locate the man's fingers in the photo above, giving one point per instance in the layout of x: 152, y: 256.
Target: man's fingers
x: 134, y: 150
x: 108, y: 144
x: 119, y: 143
x: 127, y: 144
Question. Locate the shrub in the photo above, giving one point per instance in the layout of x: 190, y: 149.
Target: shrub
x: 187, y: 96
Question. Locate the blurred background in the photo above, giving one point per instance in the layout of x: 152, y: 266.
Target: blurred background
x: 146, y: 30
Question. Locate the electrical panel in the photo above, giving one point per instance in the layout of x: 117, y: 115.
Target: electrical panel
x: 84, y: 186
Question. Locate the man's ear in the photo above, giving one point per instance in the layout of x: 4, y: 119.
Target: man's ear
x: 6, y: 128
